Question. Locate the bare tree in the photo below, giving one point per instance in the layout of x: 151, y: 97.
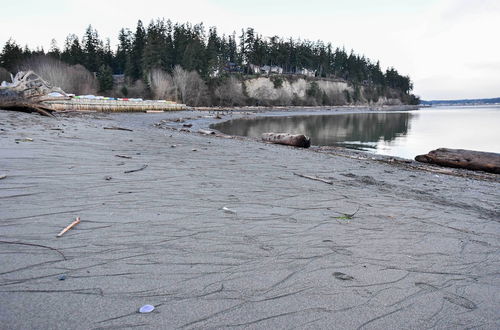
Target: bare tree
x: 190, y: 89
x: 72, y: 79
x: 162, y: 85
x: 180, y: 79
x: 196, y: 90
x: 230, y: 92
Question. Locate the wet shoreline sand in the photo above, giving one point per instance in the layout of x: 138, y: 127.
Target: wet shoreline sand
x: 420, y: 251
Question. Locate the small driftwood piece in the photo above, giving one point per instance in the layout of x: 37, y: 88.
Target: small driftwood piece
x: 460, y: 158
x: 298, y: 140
x: 315, y: 178
x: 71, y: 225
x: 28, y: 92
x: 119, y: 128
x: 136, y: 170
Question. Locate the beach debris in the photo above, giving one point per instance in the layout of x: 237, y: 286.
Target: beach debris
x: 146, y: 309
x: 194, y: 149
x: 29, y: 92
x: 24, y: 140
x: 107, y: 178
x: 461, y: 158
x: 119, y: 128
x: 71, y: 225
x: 137, y: 170
x: 187, y: 125
x: 347, y: 216
x: 206, y: 132
x: 123, y: 156
x: 342, y: 276
x: 173, y: 146
x: 315, y: 178
x: 297, y: 140
x: 228, y: 210
x: 2, y: 176
x: 61, y: 277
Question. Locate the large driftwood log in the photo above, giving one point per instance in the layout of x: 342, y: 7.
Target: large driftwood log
x: 460, y: 158
x: 298, y: 140
x: 28, y: 92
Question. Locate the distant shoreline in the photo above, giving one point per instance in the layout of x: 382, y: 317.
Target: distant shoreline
x: 403, y: 107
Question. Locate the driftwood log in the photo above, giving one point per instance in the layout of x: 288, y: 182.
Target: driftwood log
x: 298, y: 140
x: 28, y: 92
x: 460, y: 158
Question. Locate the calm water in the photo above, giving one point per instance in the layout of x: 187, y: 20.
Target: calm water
x: 403, y: 134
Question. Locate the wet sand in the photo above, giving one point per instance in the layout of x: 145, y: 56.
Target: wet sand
x: 421, y: 250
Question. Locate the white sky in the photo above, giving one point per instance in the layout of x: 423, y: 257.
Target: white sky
x: 449, y: 48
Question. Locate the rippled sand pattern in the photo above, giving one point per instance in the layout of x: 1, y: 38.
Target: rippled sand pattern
x: 421, y: 250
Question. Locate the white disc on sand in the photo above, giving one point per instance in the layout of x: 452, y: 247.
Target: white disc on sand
x: 146, y: 309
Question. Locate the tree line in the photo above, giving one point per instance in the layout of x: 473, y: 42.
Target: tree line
x: 164, y: 45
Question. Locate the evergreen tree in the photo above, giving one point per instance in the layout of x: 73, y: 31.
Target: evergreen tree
x: 12, y: 53
x: 72, y: 53
x: 92, y: 50
x: 213, y: 61
x: 165, y: 45
x: 106, y: 54
x: 134, y: 67
x: 54, y: 50
x: 105, y: 78
x: 123, y: 51
x: 232, y: 50
x: 155, y: 49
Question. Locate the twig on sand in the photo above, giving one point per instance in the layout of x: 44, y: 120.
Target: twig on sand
x: 119, y: 128
x: 347, y: 216
x: 123, y: 156
x: 136, y: 170
x: 314, y: 178
x: 71, y: 225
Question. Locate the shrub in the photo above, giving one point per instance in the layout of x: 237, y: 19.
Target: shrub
x: 138, y: 89
x: 124, y: 90
x: 277, y: 81
x: 313, y: 90
x: 347, y: 96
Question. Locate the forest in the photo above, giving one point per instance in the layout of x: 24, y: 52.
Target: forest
x: 196, y: 66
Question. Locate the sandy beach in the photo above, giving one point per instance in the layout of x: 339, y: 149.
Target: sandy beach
x: 222, y: 233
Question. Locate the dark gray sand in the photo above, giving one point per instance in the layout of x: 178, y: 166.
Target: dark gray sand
x: 421, y: 251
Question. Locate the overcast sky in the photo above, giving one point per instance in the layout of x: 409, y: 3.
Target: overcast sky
x: 449, y: 48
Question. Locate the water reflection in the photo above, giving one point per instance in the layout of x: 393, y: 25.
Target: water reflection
x: 351, y: 130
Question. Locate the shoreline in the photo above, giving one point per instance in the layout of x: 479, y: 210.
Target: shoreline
x: 202, y: 124
x: 219, y: 232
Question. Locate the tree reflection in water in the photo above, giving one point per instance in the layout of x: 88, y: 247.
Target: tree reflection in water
x: 355, y: 130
